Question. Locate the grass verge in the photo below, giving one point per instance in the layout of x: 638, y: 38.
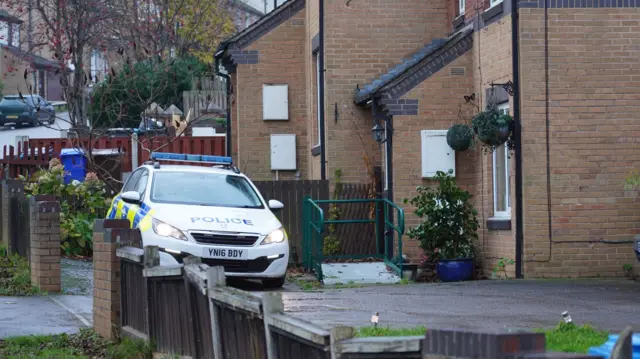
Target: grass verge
x: 15, y: 278
x: 570, y: 338
x: 567, y: 338
x: 390, y: 332
x: 84, y: 345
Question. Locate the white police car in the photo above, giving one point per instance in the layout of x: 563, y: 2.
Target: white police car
x: 215, y: 213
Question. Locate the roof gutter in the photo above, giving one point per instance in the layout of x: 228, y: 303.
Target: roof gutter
x: 517, y: 137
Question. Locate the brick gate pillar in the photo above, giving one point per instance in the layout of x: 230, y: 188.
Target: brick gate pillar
x: 44, y: 246
x: 106, y: 275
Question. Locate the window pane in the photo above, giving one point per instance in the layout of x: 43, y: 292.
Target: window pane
x: 15, y: 35
x: 500, y: 178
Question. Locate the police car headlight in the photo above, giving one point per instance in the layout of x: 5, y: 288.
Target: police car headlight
x: 277, y: 236
x: 165, y: 230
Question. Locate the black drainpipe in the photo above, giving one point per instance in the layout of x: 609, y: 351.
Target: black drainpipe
x: 323, y: 154
x: 389, y: 174
x: 517, y: 136
x: 228, y: 83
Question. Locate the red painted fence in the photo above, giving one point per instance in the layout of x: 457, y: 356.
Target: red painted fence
x: 29, y: 156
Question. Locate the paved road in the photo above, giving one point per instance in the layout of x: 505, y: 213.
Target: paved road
x: 607, y: 304
x: 8, y: 134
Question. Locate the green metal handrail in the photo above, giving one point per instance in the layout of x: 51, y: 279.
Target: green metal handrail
x: 313, y: 255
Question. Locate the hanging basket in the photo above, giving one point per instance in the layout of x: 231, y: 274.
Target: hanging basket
x: 492, y: 127
x: 460, y: 137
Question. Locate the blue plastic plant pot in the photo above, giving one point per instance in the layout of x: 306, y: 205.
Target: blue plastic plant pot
x: 605, y: 349
x: 455, y: 270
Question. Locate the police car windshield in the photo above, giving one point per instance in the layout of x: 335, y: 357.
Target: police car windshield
x: 203, y: 189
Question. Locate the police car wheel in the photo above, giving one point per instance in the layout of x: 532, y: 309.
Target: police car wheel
x: 274, y: 283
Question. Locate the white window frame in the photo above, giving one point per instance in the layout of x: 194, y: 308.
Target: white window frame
x: 493, y: 3
x: 461, y: 6
x: 503, y: 107
x: 317, y: 56
x: 4, y: 33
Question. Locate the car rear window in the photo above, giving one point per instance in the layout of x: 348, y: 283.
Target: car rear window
x: 16, y: 100
x: 204, y: 189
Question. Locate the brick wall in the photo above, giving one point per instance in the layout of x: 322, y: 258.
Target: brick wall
x: 440, y: 99
x: 45, y: 244
x: 593, y: 120
x: 363, y: 40
x: 492, y: 63
x: 281, y: 61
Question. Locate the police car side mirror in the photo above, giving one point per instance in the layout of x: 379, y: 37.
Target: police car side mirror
x: 275, y: 205
x: 132, y: 197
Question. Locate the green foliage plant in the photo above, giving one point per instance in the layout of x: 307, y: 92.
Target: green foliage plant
x: 81, y: 203
x: 449, y: 221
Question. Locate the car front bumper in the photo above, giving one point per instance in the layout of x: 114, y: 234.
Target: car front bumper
x: 262, y: 261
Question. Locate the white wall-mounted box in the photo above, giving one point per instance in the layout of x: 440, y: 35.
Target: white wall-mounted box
x: 275, y: 102
x: 283, y: 152
x: 436, y: 154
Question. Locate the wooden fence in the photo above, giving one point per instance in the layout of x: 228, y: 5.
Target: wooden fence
x: 291, y: 194
x: 28, y: 157
x: 354, y: 238
x: 188, y: 310
x: 15, y: 217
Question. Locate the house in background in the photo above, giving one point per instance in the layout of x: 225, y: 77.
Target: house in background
x: 557, y: 205
x: 15, y: 58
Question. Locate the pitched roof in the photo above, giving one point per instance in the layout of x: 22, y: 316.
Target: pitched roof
x: 37, y: 61
x: 410, y: 65
x: 263, y: 25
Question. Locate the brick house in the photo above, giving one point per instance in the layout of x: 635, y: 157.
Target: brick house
x: 558, y: 207
x: 14, y: 59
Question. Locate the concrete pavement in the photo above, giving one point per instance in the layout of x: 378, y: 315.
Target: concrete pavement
x: 497, y: 304
x: 489, y: 305
x: 39, y: 315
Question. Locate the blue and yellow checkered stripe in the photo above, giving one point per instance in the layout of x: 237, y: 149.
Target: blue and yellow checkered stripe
x: 138, y: 216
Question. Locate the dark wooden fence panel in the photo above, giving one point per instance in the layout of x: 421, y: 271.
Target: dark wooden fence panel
x: 133, y: 297
x: 291, y: 193
x: 289, y: 346
x: 169, y: 316
x: 19, y: 226
x: 241, y: 333
x: 201, y: 321
x: 356, y: 238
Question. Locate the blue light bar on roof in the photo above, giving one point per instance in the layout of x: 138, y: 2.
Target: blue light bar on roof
x: 167, y: 156
x: 217, y: 159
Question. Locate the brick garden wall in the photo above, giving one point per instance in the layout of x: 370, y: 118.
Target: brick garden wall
x: 594, y: 67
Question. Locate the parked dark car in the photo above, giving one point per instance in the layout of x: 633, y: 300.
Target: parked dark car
x: 31, y: 110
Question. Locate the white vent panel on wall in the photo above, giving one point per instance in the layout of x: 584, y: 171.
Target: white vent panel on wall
x: 436, y: 154
x: 283, y: 152
x: 275, y: 102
